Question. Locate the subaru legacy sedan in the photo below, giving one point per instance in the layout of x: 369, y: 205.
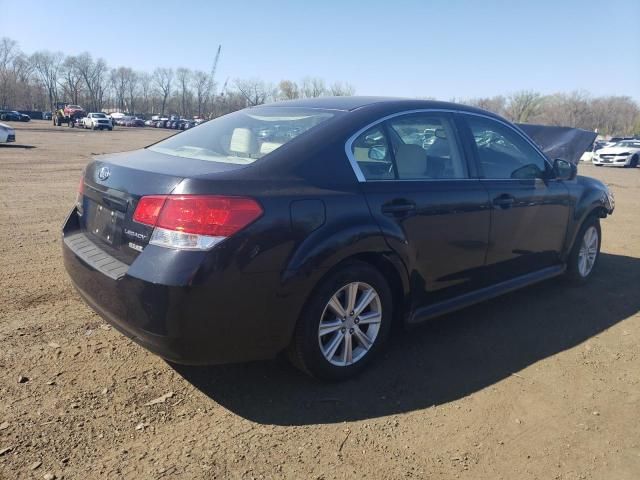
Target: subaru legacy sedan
x: 310, y: 226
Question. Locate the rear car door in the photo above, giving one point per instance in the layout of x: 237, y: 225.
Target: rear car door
x: 529, y: 208
x: 417, y: 182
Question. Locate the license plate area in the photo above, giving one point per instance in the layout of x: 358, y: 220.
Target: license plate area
x: 104, y: 223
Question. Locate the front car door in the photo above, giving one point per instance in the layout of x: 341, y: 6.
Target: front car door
x: 417, y: 182
x: 529, y: 208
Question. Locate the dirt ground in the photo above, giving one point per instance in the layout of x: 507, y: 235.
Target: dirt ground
x: 543, y: 383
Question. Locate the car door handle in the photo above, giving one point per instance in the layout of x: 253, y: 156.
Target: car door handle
x: 504, y: 201
x: 398, y: 209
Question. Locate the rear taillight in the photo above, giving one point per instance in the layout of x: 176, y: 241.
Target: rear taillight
x: 195, y: 222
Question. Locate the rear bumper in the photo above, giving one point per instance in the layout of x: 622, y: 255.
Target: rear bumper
x: 170, y: 305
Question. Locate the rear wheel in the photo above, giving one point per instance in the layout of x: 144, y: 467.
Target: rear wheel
x: 345, y: 323
x: 585, y: 252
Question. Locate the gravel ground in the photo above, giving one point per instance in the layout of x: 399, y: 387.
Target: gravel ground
x: 542, y: 383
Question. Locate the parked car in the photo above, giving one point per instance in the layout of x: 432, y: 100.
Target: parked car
x: 625, y: 153
x: 7, y: 133
x: 10, y: 116
x: 149, y: 123
x: 134, y: 122
x: 46, y: 115
x: 24, y: 117
x: 214, y: 246
x: 97, y: 121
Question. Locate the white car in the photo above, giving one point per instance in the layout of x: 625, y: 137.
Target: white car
x: 97, y: 121
x: 625, y: 153
x: 7, y: 133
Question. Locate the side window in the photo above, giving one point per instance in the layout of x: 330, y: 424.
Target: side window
x: 425, y: 147
x: 371, y: 151
x: 504, y: 154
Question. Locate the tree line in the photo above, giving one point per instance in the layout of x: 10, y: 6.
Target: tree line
x: 609, y: 115
x: 39, y: 80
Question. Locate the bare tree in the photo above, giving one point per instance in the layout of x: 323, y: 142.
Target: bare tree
x: 71, y: 80
x: 202, y: 83
x: 289, y: 90
x: 93, y: 74
x: 47, y: 65
x: 144, y: 80
x: 163, y: 79
x: 254, y: 91
x: 132, y: 89
x: 183, y: 77
x: 522, y: 106
x: 8, y: 52
x: 340, y: 89
x: 118, y: 80
x: 313, y: 87
x: 495, y: 104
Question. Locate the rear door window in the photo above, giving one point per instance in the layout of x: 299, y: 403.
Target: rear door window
x: 419, y: 146
x: 425, y: 147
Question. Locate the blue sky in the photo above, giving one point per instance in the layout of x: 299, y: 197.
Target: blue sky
x: 443, y: 49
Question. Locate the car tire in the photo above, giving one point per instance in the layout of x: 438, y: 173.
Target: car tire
x: 332, y: 347
x: 585, y: 253
x: 634, y: 161
x: 598, y: 164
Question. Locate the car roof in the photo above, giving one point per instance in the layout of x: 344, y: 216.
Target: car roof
x: 357, y: 102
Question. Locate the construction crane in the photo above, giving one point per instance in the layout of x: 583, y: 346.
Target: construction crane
x: 215, y: 65
x: 224, y: 87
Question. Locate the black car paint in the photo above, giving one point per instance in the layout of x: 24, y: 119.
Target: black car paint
x: 241, y: 300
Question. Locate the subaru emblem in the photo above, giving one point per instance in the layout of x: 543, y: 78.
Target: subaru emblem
x: 104, y: 173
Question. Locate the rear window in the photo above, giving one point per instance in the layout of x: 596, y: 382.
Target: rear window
x: 243, y: 137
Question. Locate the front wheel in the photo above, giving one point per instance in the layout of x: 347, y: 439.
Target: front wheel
x: 634, y: 162
x: 345, y: 323
x: 585, y: 252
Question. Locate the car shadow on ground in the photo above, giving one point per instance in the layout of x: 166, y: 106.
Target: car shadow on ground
x: 17, y: 145
x: 444, y: 360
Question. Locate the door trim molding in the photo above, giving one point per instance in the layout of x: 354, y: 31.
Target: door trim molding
x: 429, y: 311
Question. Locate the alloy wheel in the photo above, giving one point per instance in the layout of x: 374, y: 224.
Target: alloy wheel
x: 588, y: 251
x: 349, y: 324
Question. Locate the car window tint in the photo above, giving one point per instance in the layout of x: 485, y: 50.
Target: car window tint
x: 371, y: 151
x: 504, y: 154
x: 425, y: 147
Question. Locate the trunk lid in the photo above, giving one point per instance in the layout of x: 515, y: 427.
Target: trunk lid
x: 113, y: 185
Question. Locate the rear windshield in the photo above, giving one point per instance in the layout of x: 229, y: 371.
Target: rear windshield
x: 243, y: 137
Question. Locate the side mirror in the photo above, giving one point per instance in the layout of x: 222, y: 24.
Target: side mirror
x: 564, y: 170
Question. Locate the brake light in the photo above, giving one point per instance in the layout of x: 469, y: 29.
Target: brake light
x: 148, y: 209
x: 195, y: 221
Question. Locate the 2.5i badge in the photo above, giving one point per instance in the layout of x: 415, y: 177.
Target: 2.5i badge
x: 136, y: 247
